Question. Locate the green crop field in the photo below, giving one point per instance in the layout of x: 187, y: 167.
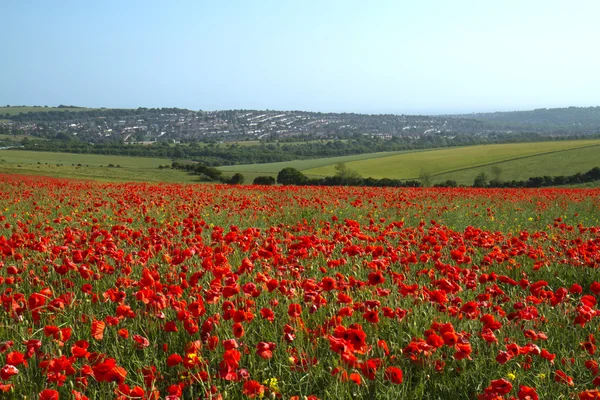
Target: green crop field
x: 86, y: 166
x: 517, y: 161
x: 462, y: 164
x: 409, y: 166
x: 33, y: 157
x: 566, y: 162
x: 24, y: 110
x: 303, y: 165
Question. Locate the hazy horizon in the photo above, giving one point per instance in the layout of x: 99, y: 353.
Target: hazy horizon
x: 394, y: 57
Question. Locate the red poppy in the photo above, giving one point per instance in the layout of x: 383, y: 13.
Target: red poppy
x: 499, y: 387
x: 8, y: 371
x: 265, y: 349
x: 294, y: 310
x: 253, y: 389
x: 48, y: 394
x: 238, y: 330
x: 98, y: 329
x: 174, y: 359
x: 394, y: 375
x: 527, y: 393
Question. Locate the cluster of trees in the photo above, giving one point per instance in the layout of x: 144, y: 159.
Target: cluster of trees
x: 346, y: 177
x: 482, y: 180
x: 343, y: 177
x: 264, y: 180
x: 207, y: 173
x: 542, y: 181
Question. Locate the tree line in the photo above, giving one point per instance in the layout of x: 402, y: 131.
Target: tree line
x: 217, y: 155
x: 207, y: 173
x: 540, y: 181
x: 346, y: 177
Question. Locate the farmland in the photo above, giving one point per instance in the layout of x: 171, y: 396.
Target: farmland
x: 85, y: 166
x: 462, y: 164
x: 518, y: 160
x: 137, y: 290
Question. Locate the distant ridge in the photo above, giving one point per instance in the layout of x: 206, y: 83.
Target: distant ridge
x: 564, y: 115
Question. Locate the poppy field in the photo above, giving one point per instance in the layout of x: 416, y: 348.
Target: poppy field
x: 165, y: 291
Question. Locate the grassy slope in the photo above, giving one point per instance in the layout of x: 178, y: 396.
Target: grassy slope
x: 410, y: 165
x: 33, y: 157
x: 92, y: 166
x: 561, y: 158
x: 304, y: 165
x: 567, y: 162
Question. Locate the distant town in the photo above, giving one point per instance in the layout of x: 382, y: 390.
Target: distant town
x: 150, y: 125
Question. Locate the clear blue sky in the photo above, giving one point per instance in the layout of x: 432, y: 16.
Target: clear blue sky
x: 356, y: 56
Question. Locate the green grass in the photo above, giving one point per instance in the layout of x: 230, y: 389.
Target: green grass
x: 463, y: 164
x: 101, y: 173
x: 303, y: 165
x: 65, y: 165
x: 33, y: 157
x: 24, y: 110
x: 566, y: 162
x: 410, y: 165
x: 517, y: 160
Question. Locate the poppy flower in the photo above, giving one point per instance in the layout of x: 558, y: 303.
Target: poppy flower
x: 253, y: 389
x: 48, y: 394
x: 561, y: 377
x: 140, y: 342
x: 394, y: 375
x: 294, y: 310
x: 15, y: 358
x: 265, y: 349
x: 267, y: 314
x: 174, y: 359
x: 499, y: 387
x: 375, y: 278
x: 8, y: 371
x: 238, y: 330
x: 371, y: 316
x: 98, y: 329
x: 527, y: 393
x: 354, y: 377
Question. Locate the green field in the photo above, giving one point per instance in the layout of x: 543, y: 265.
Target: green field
x: 517, y: 161
x: 566, y: 162
x: 86, y: 166
x: 303, y: 165
x: 24, y: 110
x: 462, y: 164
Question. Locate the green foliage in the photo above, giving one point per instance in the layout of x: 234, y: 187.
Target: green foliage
x: 237, y: 179
x: 409, y: 165
x: 264, y: 180
x: 291, y: 176
x: 425, y: 178
x: 480, y: 180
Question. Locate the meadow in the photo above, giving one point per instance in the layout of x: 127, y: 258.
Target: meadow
x: 148, y: 291
x: 90, y: 166
x: 518, y: 161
